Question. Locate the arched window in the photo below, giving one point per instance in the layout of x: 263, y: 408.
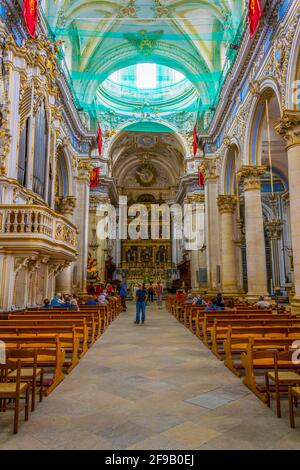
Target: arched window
x: 23, y: 153
x: 40, y: 151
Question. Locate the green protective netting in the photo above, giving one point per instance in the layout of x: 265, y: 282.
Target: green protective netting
x: 147, y: 61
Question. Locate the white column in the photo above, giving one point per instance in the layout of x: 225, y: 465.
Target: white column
x: 289, y: 129
x: 229, y: 260
x: 212, y: 228
x: 64, y: 281
x: 7, y: 281
x: 81, y: 219
x: 255, y: 239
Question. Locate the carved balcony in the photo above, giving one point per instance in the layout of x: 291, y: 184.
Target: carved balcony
x: 37, y: 228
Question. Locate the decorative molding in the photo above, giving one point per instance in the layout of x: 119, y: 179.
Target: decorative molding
x: 289, y: 127
x: 194, y: 198
x: 65, y: 204
x: 251, y: 175
x: 209, y: 168
x: 227, y: 203
x: 274, y: 229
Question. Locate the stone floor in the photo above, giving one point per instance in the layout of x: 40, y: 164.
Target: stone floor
x: 150, y: 387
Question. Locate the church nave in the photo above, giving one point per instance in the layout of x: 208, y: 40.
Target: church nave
x: 150, y: 387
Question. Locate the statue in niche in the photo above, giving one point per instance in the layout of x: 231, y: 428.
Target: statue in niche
x: 162, y: 256
x: 146, y: 255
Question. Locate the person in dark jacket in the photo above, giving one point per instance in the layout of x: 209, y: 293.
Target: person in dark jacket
x: 141, y: 297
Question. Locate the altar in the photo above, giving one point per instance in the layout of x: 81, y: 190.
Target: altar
x: 146, y: 260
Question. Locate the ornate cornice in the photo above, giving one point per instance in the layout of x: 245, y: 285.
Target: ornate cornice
x: 251, y: 175
x: 289, y: 127
x: 227, y: 203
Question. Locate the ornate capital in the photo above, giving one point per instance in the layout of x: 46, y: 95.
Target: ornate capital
x: 251, y: 176
x: 65, y: 204
x: 226, y: 203
x: 254, y: 88
x: 209, y: 168
x: 194, y: 198
x: 274, y: 228
x: 84, y: 170
x: 96, y: 200
x: 226, y: 141
x: 289, y: 127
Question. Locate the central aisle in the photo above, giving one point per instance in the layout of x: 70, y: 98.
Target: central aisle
x: 150, y: 387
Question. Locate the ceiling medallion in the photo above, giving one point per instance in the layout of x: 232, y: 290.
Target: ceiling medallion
x: 146, y: 174
x: 144, y: 41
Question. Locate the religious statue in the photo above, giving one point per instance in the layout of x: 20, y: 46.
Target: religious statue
x: 92, y: 271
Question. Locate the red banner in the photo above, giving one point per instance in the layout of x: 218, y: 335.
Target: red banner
x: 255, y: 13
x: 99, y: 139
x: 30, y: 13
x: 195, y: 142
x: 95, y: 177
x: 201, y: 179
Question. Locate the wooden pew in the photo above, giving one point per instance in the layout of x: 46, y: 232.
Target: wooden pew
x: 228, y: 317
x: 99, y: 315
x: 86, y: 322
x: 205, y: 320
x: 235, y: 344
x: 218, y: 333
x: 69, y: 336
x: 50, y: 355
x: 260, y: 356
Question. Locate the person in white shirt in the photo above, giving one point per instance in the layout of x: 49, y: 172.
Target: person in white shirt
x: 262, y: 303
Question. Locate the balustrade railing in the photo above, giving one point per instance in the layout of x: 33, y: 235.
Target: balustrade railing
x: 36, y: 220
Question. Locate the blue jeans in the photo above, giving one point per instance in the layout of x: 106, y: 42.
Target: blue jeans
x: 140, y: 306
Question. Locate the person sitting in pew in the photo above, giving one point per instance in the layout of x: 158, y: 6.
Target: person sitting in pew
x: 57, y: 300
x: 180, y: 295
x: 67, y: 302
x: 211, y: 306
x: 262, y: 303
x: 219, y: 301
x: 102, y: 299
x: 47, y: 303
x: 189, y: 299
x: 91, y: 301
x: 198, y: 300
x: 74, y: 303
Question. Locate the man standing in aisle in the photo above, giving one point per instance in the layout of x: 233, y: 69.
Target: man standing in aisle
x: 141, y: 297
x: 123, y: 295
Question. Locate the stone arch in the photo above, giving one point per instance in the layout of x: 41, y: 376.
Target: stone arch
x: 64, y: 182
x: 165, y: 127
x: 256, y: 121
x: 293, y: 73
x: 231, y: 164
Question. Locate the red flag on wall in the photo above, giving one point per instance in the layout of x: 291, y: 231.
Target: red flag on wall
x: 255, y: 13
x: 30, y: 13
x: 201, y: 179
x: 94, y: 178
x: 99, y: 139
x: 195, y: 142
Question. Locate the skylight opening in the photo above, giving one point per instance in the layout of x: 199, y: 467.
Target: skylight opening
x: 146, y: 76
